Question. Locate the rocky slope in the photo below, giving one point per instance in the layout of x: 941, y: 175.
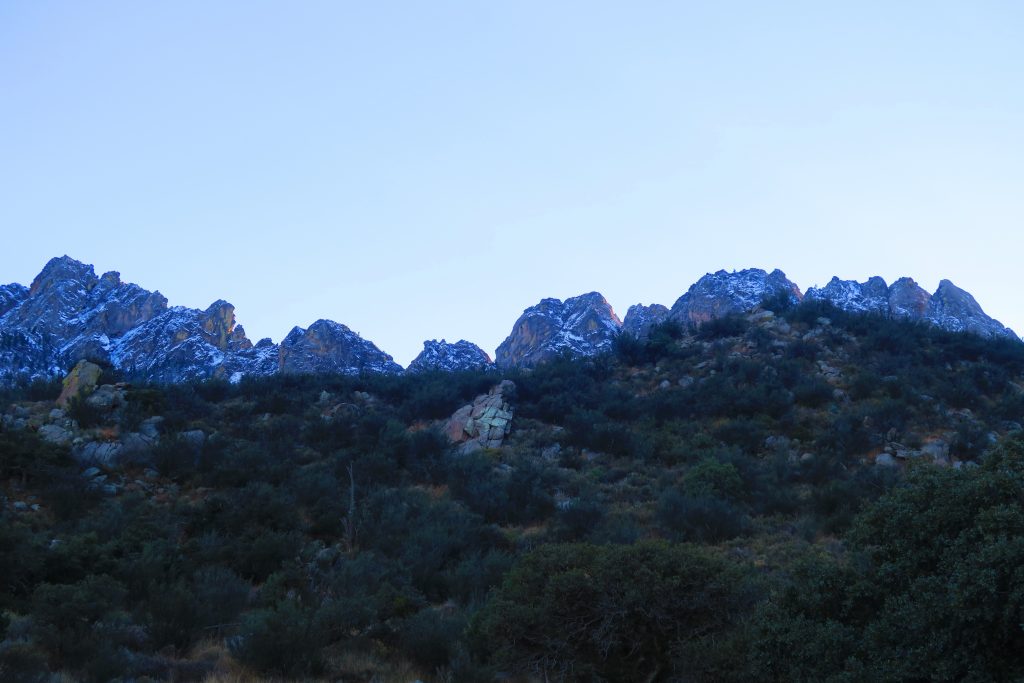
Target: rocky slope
x: 445, y: 356
x: 581, y: 326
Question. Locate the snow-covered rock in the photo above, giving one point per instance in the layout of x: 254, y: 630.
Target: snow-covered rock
x: 723, y: 293
x: 449, y: 357
x: 950, y: 307
x: 954, y: 309
x: 581, y: 326
x: 849, y: 295
x: 640, y: 319
x: 11, y: 295
x: 70, y: 314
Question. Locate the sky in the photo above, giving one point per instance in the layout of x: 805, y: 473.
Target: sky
x: 420, y: 170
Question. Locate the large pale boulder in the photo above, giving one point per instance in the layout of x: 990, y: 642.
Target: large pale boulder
x: 81, y: 381
x: 485, y: 422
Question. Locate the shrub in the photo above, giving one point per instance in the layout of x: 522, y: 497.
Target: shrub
x: 699, y: 518
x: 281, y: 640
x: 581, y: 612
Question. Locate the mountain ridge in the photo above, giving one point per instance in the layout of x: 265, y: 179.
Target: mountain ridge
x: 68, y: 313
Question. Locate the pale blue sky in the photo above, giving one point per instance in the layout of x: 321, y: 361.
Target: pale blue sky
x: 430, y: 169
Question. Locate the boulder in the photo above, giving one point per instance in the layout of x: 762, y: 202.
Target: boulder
x: 150, y: 427
x: 81, y: 381
x: 106, y: 454
x: 106, y: 397
x: 938, y: 451
x: 194, y: 438
x: 483, y: 423
x: 885, y: 460
x: 56, y: 434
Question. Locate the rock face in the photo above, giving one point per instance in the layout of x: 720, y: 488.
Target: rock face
x: 485, y: 422
x: 907, y: 299
x: 81, y: 381
x: 327, y: 346
x: 640, y: 319
x: 444, y: 356
x: 183, y: 344
x: 66, y: 315
x: 581, y: 326
x: 863, y: 297
x: 950, y: 307
x: 953, y: 309
x: 11, y: 295
x: 719, y: 294
x: 69, y: 314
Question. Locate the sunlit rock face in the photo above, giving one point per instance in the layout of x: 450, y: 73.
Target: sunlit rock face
x: 580, y: 326
x: 640, y: 319
x: 862, y: 297
x: 184, y: 344
x: 450, y: 357
x: 723, y: 293
x: 330, y: 347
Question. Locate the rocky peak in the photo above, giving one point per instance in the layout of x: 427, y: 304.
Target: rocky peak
x: 67, y: 300
x: 907, y: 299
x: 849, y: 295
x: 724, y: 293
x: 218, y: 322
x: 60, y: 272
x: 950, y: 308
x: 330, y: 347
x: 69, y: 314
x: 581, y: 326
x: 640, y: 319
x: 445, y: 356
x: 954, y: 309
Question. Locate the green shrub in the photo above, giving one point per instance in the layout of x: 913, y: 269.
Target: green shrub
x: 581, y: 612
x: 281, y: 640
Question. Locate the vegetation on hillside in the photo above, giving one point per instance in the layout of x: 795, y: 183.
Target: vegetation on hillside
x: 725, y: 504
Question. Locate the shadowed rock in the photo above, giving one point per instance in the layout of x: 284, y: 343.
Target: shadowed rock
x: 640, y: 319
x: 327, y: 346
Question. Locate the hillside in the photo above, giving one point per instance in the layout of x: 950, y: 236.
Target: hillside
x: 792, y: 492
